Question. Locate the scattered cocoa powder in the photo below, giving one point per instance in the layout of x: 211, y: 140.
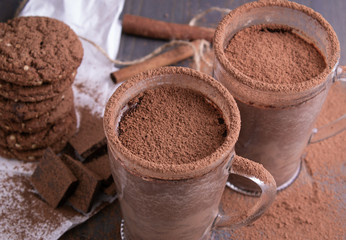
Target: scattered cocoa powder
x: 313, y: 206
x: 23, y: 215
x: 274, y: 54
x: 172, y: 125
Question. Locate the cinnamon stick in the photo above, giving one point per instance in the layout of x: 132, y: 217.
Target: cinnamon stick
x: 170, y: 57
x: 147, y: 27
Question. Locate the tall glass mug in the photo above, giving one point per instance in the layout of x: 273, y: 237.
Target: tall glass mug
x: 277, y: 125
x: 159, y: 203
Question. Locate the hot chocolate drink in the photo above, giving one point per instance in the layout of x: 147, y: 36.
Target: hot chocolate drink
x: 171, y: 134
x: 277, y: 58
x: 275, y: 54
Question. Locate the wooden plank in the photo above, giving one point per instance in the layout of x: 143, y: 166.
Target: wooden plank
x: 8, y: 9
x: 181, y: 11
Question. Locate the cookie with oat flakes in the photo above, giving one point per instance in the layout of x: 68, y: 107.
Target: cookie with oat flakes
x: 38, y: 50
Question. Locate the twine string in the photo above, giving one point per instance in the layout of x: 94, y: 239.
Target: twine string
x: 194, y: 20
x: 198, y: 53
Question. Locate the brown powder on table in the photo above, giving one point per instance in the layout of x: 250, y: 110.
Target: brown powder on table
x: 313, y: 206
x: 23, y: 215
x: 274, y: 54
x: 172, y: 125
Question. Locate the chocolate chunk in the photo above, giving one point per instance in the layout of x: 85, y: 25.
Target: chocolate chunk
x: 53, y: 179
x: 101, y: 167
x: 88, y: 185
x: 90, y: 136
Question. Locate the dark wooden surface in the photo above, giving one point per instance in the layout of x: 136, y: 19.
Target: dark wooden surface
x: 105, y: 225
x: 181, y: 11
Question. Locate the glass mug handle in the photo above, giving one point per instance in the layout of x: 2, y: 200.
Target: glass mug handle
x: 337, y: 126
x: 258, y: 174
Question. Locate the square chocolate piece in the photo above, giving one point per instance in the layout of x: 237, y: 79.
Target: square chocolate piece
x: 90, y: 136
x: 53, y: 179
x: 88, y: 185
x: 100, y: 165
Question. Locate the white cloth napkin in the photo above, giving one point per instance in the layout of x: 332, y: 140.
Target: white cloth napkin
x: 98, y: 21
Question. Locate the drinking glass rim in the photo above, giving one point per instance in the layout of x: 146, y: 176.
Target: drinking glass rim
x: 138, y: 165
x: 311, y: 84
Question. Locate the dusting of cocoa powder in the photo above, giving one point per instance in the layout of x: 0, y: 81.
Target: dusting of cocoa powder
x: 23, y: 215
x: 313, y: 206
x: 240, y: 165
x: 172, y: 125
x: 274, y: 54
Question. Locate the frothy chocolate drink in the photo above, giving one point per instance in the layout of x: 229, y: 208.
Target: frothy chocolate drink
x: 170, y: 125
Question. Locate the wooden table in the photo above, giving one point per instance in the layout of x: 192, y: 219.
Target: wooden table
x: 105, y: 225
x: 181, y: 11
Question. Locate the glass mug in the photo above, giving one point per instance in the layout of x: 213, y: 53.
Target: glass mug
x: 277, y: 126
x: 184, y: 204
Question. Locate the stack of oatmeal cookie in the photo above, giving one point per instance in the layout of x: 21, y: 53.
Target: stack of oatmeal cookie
x: 39, y: 58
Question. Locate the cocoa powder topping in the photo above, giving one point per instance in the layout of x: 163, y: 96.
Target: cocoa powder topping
x: 274, y: 54
x: 172, y: 125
